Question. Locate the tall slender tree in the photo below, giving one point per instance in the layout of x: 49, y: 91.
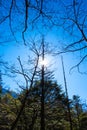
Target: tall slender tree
x: 67, y: 98
x: 42, y: 91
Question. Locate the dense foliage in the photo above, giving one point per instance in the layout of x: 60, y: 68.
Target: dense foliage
x: 56, y: 113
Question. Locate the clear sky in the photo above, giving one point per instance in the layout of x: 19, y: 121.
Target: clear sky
x: 76, y: 82
x: 10, y: 50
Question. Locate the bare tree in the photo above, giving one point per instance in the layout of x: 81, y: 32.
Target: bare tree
x: 28, y: 87
x: 20, y: 16
x: 75, y: 24
x: 30, y: 73
x: 67, y: 97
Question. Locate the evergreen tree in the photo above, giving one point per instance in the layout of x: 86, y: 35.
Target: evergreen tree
x: 53, y: 106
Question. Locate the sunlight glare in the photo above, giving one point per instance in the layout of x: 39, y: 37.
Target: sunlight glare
x: 43, y: 62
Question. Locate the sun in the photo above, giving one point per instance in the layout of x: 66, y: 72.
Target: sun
x: 43, y: 62
x: 47, y: 62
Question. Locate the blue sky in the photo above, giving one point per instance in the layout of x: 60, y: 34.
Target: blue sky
x: 10, y: 50
x: 76, y: 82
